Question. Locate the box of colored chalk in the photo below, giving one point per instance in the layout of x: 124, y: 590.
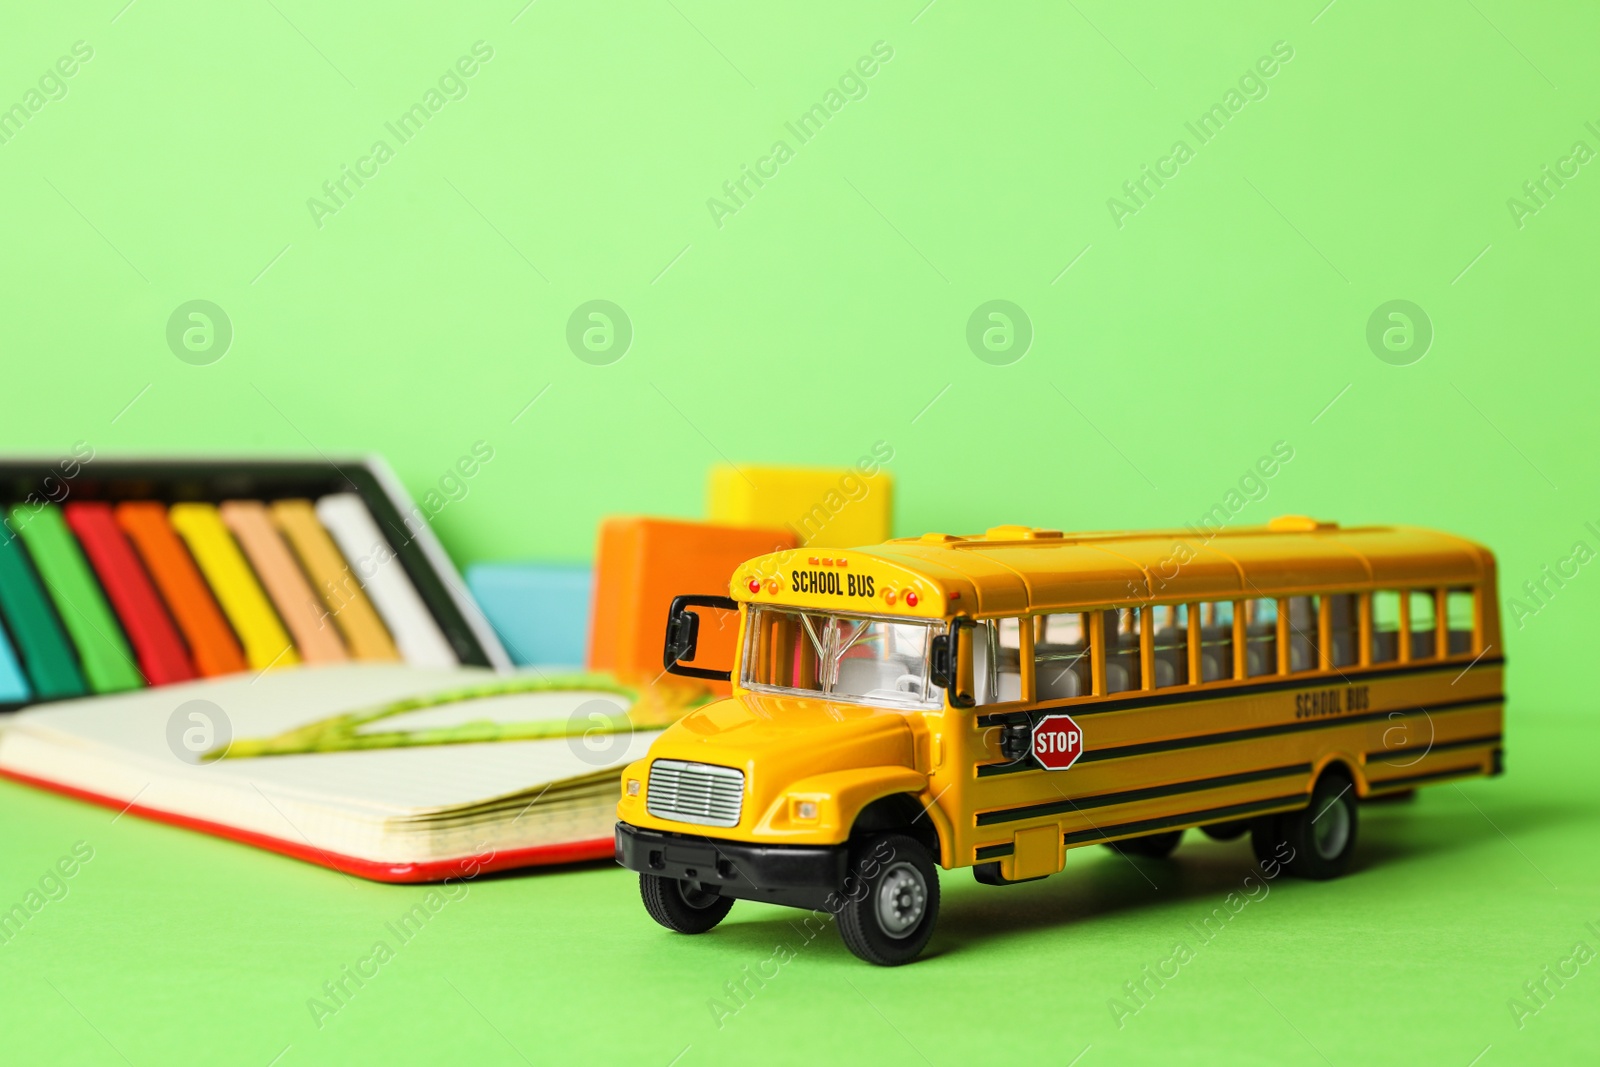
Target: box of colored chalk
x: 116, y: 574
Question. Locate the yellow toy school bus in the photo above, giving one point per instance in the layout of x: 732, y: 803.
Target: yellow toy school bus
x: 994, y: 701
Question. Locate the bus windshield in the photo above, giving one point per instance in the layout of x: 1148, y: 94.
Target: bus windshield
x: 843, y: 657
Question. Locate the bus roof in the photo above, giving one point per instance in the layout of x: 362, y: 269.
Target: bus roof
x: 1017, y: 569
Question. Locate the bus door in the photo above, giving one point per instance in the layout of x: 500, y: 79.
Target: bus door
x: 1025, y: 669
x: 1005, y: 783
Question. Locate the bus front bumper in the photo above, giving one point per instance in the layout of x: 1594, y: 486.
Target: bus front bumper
x: 803, y: 876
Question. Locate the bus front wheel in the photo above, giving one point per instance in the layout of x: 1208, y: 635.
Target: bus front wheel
x: 891, y: 899
x: 682, y: 906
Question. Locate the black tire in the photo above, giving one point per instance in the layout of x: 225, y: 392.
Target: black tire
x: 1268, y: 840
x: 1226, y: 831
x: 1151, y: 846
x: 1323, y: 834
x: 682, y: 906
x: 891, y: 897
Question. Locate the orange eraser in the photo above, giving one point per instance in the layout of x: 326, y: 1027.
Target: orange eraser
x: 641, y: 564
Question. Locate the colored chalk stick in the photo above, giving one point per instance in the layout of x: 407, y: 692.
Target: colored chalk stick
x: 107, y: 661
x: 266, y: 643
x: 352, y: 612
x: 42, y: 643
x: 539, y: 610
x: 13, y: 683
x: 316, y: 637
x: 211, y: 640
x: 373, y: 561
x: 160, y: 651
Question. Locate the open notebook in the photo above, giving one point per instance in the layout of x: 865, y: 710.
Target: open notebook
x: 390, y: 772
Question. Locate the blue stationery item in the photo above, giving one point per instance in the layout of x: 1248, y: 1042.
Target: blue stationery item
x: 539, y: 610
x: 13, y: 686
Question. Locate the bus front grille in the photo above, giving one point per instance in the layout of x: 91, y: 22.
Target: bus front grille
x: 699, y: 793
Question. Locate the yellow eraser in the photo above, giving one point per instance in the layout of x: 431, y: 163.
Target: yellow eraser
x: 832, y: 507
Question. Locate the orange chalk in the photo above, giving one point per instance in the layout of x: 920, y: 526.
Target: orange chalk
x: 310, y: 624
x: 211, y: 641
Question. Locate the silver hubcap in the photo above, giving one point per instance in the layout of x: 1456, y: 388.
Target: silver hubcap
x: 1330, y: 830
x: 902, y: 899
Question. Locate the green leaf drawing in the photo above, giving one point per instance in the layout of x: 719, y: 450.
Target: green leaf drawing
x: 342, y: 733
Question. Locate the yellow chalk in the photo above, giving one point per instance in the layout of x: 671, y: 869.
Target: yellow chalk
x: 265, y: 642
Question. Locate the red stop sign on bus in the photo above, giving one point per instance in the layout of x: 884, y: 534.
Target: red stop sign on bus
x: 1057, y: 742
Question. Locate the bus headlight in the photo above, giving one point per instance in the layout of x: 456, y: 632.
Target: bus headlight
x: 633, y: 787
x: 805, y: 810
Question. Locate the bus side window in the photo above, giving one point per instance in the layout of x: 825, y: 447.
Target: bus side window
x: 1170, y: 638
x: 1424, y: 624
x: 997, y: 661
x: 1305, y: 617
x: 1216, y: 641
x: 1344, y: 628
x: 1061, y: 656
x: 1121, y: 634
x: 1460, y: 608
x: 1261, y: 637
x: 1385, y: 626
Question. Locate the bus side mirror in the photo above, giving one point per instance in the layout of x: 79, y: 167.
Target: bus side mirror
x: 683, y: 635
x: 944, y: 663
x: 941, y: 662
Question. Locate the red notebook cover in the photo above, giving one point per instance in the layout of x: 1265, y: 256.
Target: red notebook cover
x: 162, y: 656
x: 388, y: 772
x: 399, y: 873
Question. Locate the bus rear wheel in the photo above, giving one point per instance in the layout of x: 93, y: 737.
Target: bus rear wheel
x: 891, y: 899
x: 1268, y: 839
x: 1320, y: 838
x: 682, y: 906
x: 1324, y: 833
x: 1153, y: 846
x: 1226, y: 831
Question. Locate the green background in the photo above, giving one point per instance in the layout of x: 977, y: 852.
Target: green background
x: 829, y: 313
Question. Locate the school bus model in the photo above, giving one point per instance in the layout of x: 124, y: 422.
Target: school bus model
x: 994, y: 701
